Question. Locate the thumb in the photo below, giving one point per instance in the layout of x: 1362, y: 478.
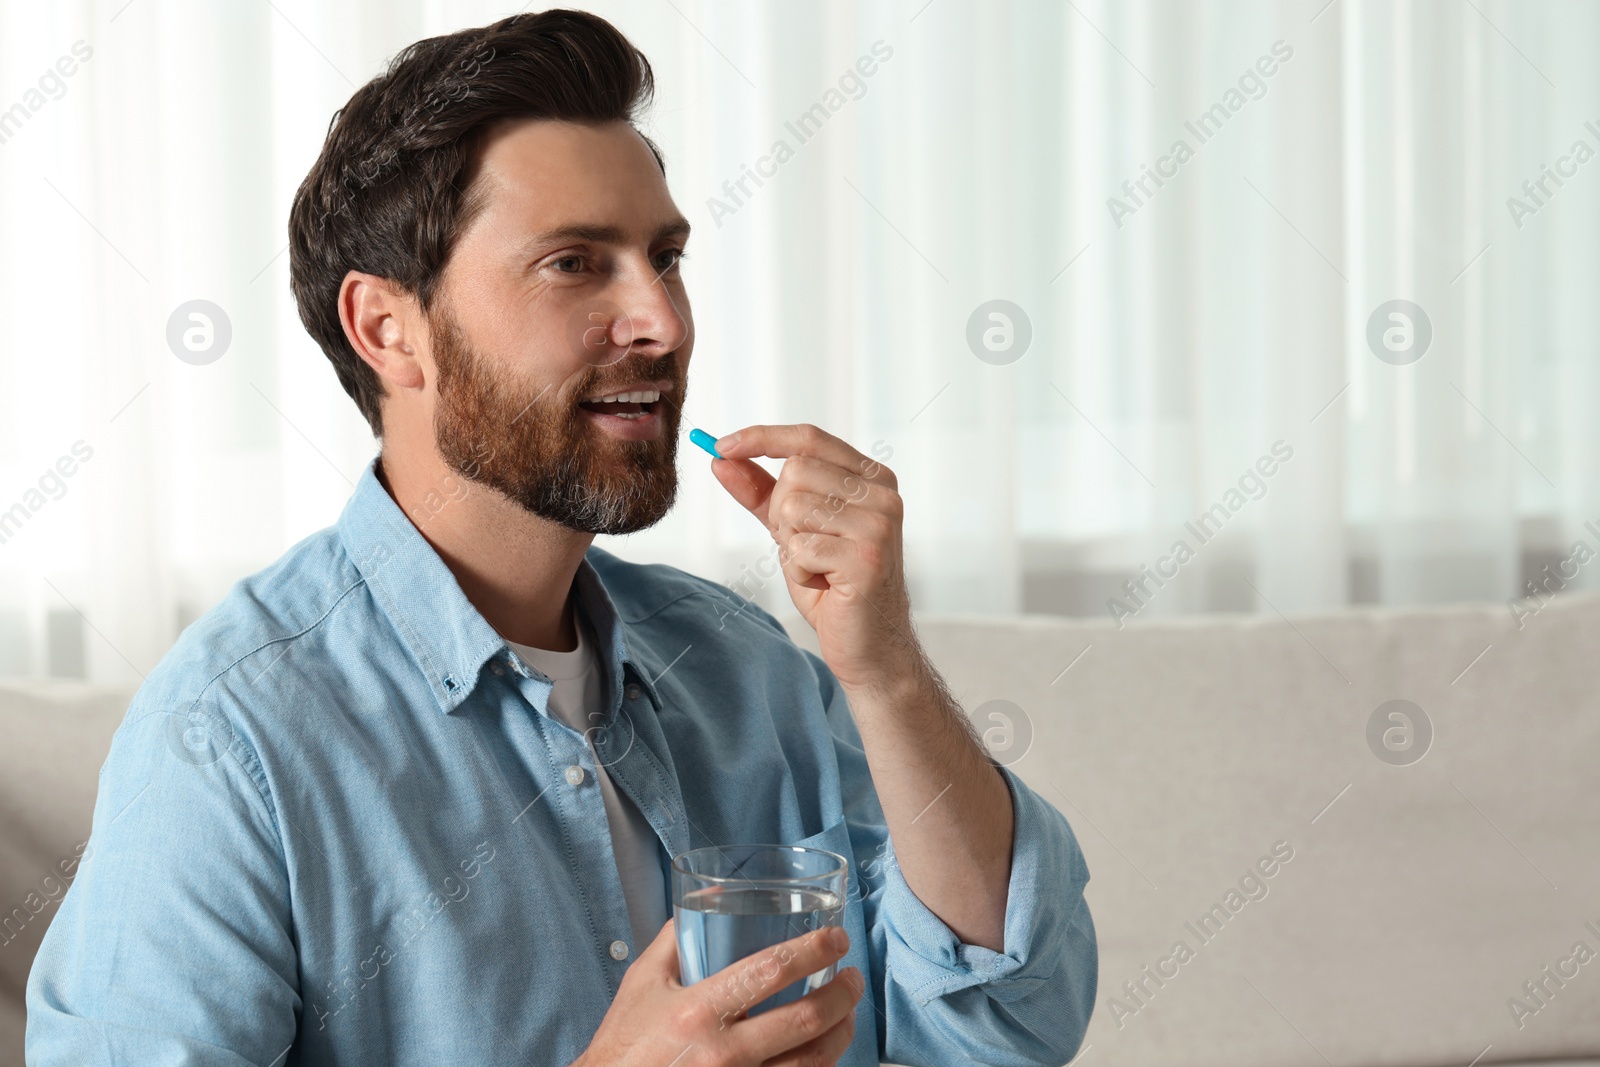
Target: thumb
x: 662, y: 953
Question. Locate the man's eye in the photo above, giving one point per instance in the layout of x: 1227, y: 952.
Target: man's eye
x: 575, y: 261
x: 670, y: 258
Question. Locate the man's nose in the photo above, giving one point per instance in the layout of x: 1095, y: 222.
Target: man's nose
x: 648, y: 317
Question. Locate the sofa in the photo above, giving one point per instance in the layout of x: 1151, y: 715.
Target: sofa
x: 1368, y: 838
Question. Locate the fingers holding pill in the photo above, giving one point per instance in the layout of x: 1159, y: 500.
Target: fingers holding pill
x: 812, y: 493
x: 804, y: 440
x: 837, y: 518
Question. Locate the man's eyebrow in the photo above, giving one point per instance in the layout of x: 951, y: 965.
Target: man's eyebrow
x: 599, y: 234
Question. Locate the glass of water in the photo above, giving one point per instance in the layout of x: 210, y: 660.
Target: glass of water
x: 735, y: 900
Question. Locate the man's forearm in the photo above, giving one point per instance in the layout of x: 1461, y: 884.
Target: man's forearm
x: 947, y: 806
x: 836, y: 516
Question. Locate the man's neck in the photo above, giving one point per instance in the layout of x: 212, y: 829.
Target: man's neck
x: 513, y: 566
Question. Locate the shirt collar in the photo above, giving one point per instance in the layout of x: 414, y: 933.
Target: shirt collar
x: 444, y: 633
x: 616, y: 655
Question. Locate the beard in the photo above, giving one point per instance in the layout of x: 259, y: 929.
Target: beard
x: 539, y: 449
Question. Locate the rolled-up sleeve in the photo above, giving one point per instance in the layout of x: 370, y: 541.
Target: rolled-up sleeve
x: 941, y: 1000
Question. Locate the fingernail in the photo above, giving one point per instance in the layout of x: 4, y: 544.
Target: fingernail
x: 838, y: 939
x: 727, y: 442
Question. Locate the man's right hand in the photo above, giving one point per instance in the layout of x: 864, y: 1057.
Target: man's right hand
x: 656, y: 1021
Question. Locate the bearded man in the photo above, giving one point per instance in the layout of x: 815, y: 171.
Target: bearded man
x: 412, y: 794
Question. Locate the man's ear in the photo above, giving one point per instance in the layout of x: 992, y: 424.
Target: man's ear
x: 385, y: 327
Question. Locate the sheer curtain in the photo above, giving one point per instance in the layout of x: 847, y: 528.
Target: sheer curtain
x: 1196, y: 368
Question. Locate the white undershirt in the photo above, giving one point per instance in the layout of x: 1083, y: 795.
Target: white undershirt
x: 580, y: 691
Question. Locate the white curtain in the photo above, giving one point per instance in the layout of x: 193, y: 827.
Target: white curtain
x: 1177, y: 337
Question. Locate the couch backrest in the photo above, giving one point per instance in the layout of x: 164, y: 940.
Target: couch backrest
x: 1421, y: 896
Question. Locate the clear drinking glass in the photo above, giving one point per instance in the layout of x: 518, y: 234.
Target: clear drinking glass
x: 735, y: 900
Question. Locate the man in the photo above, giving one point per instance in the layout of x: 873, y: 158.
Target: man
x: 411, y: 794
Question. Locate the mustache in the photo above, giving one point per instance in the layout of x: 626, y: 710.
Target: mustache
x: 626, y: 373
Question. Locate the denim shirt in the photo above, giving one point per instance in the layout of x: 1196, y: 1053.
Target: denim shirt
x: 338, y: 826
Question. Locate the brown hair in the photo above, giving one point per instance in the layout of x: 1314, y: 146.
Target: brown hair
x: 393, y: 187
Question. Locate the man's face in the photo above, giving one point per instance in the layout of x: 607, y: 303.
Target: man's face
x: 564, y: 290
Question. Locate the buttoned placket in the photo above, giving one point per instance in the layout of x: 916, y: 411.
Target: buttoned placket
x: 582, y: 812
x: 636, y: 770
x: 635, y: 773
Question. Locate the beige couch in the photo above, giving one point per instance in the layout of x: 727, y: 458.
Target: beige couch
x: 1418, y: 897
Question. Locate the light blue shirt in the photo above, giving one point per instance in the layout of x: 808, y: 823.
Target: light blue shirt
x: 337, y: 827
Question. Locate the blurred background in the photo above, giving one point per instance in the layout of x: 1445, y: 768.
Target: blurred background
x: 964, y: 237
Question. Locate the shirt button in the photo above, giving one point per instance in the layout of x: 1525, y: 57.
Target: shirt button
x: 619, y: 950
x: 497, y: 668
x: 632, y: 691
x: 574, y: 775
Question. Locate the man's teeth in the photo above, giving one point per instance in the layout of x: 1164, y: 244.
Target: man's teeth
x: 646, y: 396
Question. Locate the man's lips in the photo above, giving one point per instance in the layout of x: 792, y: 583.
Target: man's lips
x: 638, y: 425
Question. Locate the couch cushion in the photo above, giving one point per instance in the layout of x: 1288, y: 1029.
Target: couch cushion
x: 56, y: 735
